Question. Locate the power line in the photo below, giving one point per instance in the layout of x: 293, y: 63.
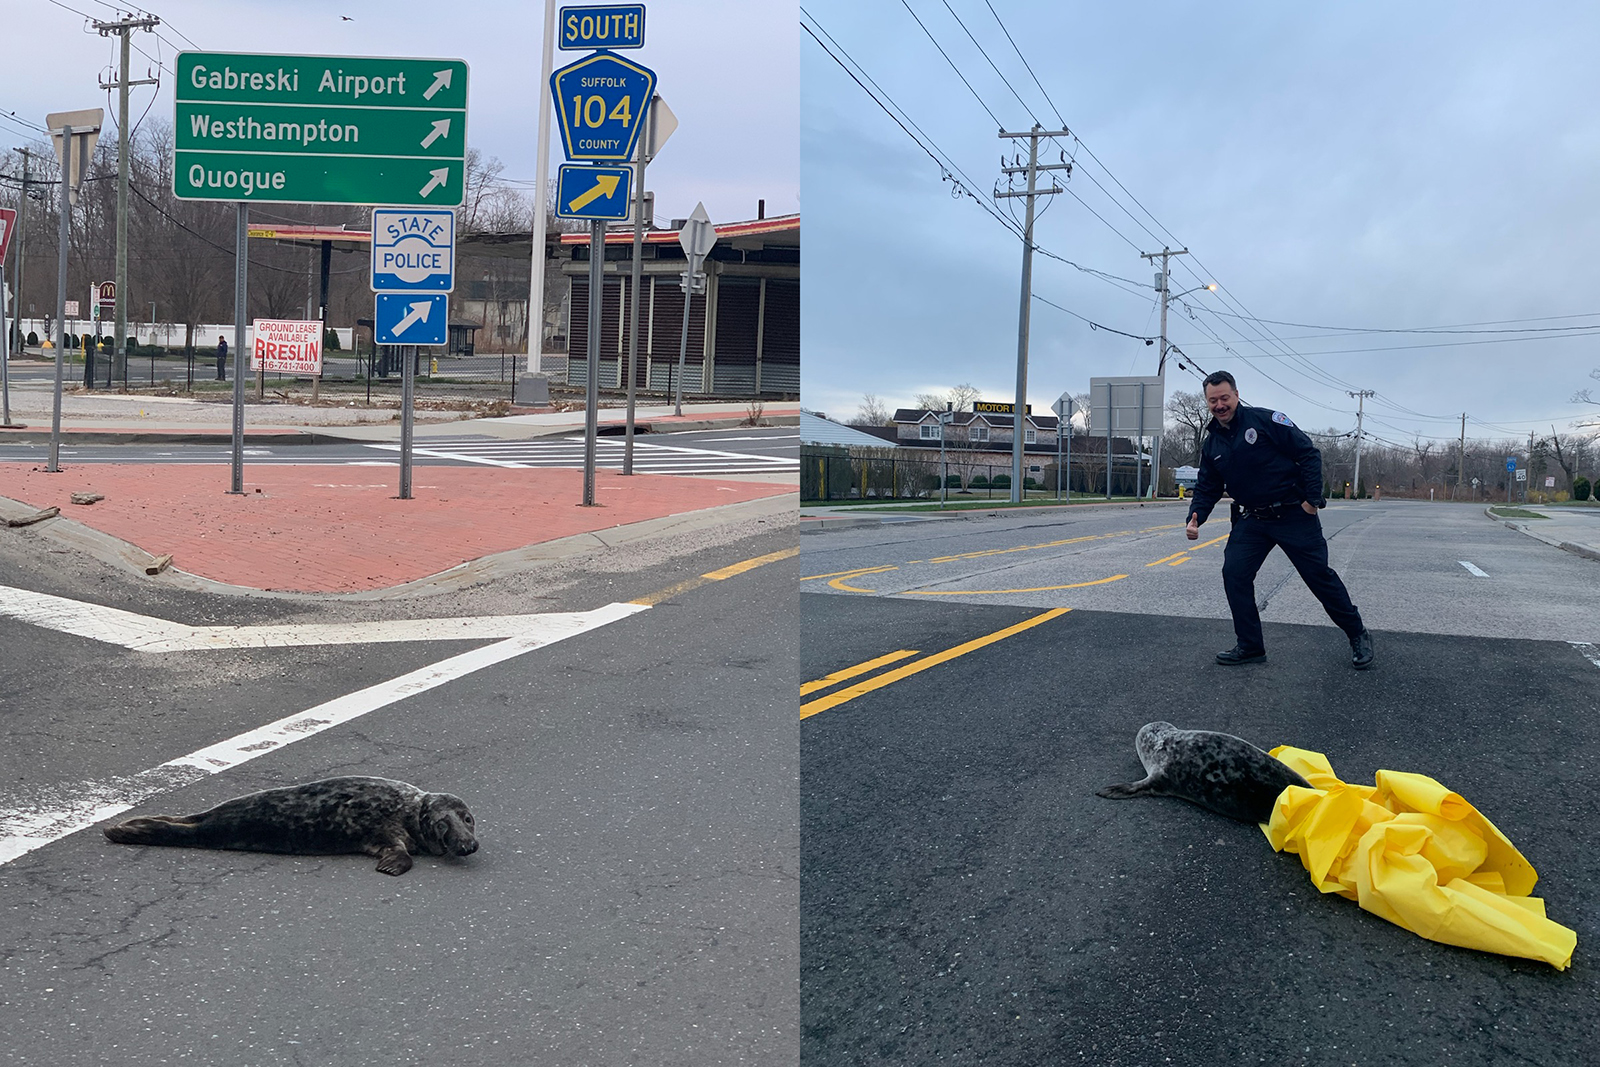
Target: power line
x: 1025, y: 63
x: 948, y: 60
x: 991, y: 62
x: 947, y: 167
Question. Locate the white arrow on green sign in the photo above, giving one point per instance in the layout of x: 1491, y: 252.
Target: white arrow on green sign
x: 320, y: 129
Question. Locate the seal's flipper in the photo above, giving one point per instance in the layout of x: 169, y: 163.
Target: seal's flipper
x: 395, y: 861
x: 1126, y: 790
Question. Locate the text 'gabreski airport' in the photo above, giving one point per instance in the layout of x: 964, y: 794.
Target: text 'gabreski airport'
x: 337, y: 82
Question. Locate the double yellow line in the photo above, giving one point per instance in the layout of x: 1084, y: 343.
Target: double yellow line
x: 846, y: 695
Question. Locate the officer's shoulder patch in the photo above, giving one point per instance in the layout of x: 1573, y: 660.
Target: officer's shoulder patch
x: 1281, y: 418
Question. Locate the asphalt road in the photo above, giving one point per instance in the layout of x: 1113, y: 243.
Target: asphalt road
x: 730, y: 449
x: 966, y: 898
x: 634, y: 899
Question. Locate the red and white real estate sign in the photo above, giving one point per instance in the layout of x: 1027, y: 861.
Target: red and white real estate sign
x: 287, y: 345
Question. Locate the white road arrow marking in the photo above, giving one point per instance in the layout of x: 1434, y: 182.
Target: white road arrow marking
x: 418, y: 313
x: 144, y: 633
x: 441, y: 80
x: 32, y: 823
x: 440, y: 129
x: 438, y: 178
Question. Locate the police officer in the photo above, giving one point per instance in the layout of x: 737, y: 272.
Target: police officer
x: 222, y: 358
x: 1274, y: 474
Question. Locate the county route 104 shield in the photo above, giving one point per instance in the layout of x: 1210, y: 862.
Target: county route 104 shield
x: 601, y: 102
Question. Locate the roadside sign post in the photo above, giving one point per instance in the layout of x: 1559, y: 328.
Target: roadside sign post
x: 1063, y: 410
x: 74, y: 134
x: 698, y: 237
x: 8, y: 224
x: 413, y: 274
x: 252, y: 127
x: 601, y: 103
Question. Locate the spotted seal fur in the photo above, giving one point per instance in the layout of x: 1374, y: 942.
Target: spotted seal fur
x: 1223, y: 773
x: 376, y: 816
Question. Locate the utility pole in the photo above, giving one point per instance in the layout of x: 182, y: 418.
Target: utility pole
x: 1529, y: 478
x: 1032, y: 171
x: 1360, y: 405
x: 22, y: 241
x: 1462, y: 465
x: 1163, y: 282
x: 123, y: 28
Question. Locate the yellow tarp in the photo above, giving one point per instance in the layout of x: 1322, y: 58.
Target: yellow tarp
x: 1409, y: 850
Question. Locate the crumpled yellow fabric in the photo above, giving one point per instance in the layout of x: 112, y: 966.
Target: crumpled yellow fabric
x: 1410, y: 851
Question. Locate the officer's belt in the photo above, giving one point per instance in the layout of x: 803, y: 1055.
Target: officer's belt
x: 1267, y: 511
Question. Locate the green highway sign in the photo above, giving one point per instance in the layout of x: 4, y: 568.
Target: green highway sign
x: 320, y: 129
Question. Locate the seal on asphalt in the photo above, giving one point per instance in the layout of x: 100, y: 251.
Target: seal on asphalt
x: 1220, y: 772
x: 375, y: 816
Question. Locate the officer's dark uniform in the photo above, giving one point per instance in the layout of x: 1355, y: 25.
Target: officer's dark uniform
x: 1268, y: 465
x: 222, y: 360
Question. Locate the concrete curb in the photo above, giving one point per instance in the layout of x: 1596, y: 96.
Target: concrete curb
x: 72, y: 534
x: 1583, y: 551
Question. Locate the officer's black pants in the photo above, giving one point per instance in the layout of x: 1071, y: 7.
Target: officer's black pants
x: 1300, y: 537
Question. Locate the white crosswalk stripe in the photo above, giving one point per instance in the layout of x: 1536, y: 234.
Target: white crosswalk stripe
x: 648, y: 457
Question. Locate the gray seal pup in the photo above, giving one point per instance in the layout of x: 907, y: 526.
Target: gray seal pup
x: 375, y: 816
x: 1223, y: 773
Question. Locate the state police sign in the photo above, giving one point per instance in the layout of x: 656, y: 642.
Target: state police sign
x: 413, y: 250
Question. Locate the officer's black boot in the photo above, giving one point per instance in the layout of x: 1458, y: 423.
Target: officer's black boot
x: 1361, y: 650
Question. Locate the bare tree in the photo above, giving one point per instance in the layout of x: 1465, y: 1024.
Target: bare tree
x: 1189, y: 415
x: 1572, y: 453
x: 872, y: 413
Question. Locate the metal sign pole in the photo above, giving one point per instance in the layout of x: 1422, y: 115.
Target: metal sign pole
x: 683, y: 345
x: 597, y: 263
x: 241, y: 267
x: 54, y: 465
x: 1069, y: 451
x: 633, y: 291
x: 408, y: 379
x: 5, y: 351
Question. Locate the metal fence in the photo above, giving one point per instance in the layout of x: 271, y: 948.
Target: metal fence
x: 836, y: 476
x: 370, y: 374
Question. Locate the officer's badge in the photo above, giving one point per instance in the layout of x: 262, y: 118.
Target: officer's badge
x: 1280, y: 417
x: 1250, y: 435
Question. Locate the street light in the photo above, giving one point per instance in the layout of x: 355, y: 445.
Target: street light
x: 1212, y: 288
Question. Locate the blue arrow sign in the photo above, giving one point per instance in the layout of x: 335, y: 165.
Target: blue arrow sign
x: 413, y: 250
x: 601, y: 102
x: 592, y: 192
x: 1511, y: 463
x: 411, y: 319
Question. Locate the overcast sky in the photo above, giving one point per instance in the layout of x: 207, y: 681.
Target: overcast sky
x: 1372, y: 166
x: 731, y: 148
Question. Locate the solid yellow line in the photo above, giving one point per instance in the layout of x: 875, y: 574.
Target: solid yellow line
x: 751, y: 564
x: 996, y: 592
x: 679, y: 588
x: 838, y: 583
x: 1181, y: 559
x: 890, y: 677
x: 849, y: 574
x: 1168, y: 559
x: 853, y: 672
x: 1030, y: 548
